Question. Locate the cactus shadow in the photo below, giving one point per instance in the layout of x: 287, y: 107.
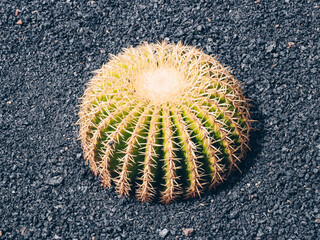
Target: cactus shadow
x: 256, y: 142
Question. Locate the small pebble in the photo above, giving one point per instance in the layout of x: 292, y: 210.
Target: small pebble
x: 187, y: 231
x: 163, y: 233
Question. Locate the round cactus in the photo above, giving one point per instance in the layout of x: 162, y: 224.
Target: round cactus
x: 163, y: 121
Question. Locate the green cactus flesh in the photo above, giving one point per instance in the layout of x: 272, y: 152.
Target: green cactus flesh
x: 163, y: 120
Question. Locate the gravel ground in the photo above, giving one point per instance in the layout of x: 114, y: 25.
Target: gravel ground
x: 48, y: 50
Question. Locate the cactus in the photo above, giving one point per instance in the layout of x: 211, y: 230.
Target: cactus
x: 163, y: 121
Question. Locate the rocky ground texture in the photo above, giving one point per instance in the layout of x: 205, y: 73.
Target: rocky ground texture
x: 48, y: 50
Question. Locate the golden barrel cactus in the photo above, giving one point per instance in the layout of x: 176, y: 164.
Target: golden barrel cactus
x: 163, y: 120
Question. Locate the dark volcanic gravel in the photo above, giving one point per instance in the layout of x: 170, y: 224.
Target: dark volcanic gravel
x: 48, y: 50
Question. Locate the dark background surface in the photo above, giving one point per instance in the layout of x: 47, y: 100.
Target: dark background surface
x: 47, y: 190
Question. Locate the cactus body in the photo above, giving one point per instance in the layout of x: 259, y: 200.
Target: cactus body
x: 163, y: 120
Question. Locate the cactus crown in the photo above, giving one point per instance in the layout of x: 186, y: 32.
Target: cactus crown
x: 163, y: 119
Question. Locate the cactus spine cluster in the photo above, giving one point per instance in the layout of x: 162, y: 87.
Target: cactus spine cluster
x: 163, y: 120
